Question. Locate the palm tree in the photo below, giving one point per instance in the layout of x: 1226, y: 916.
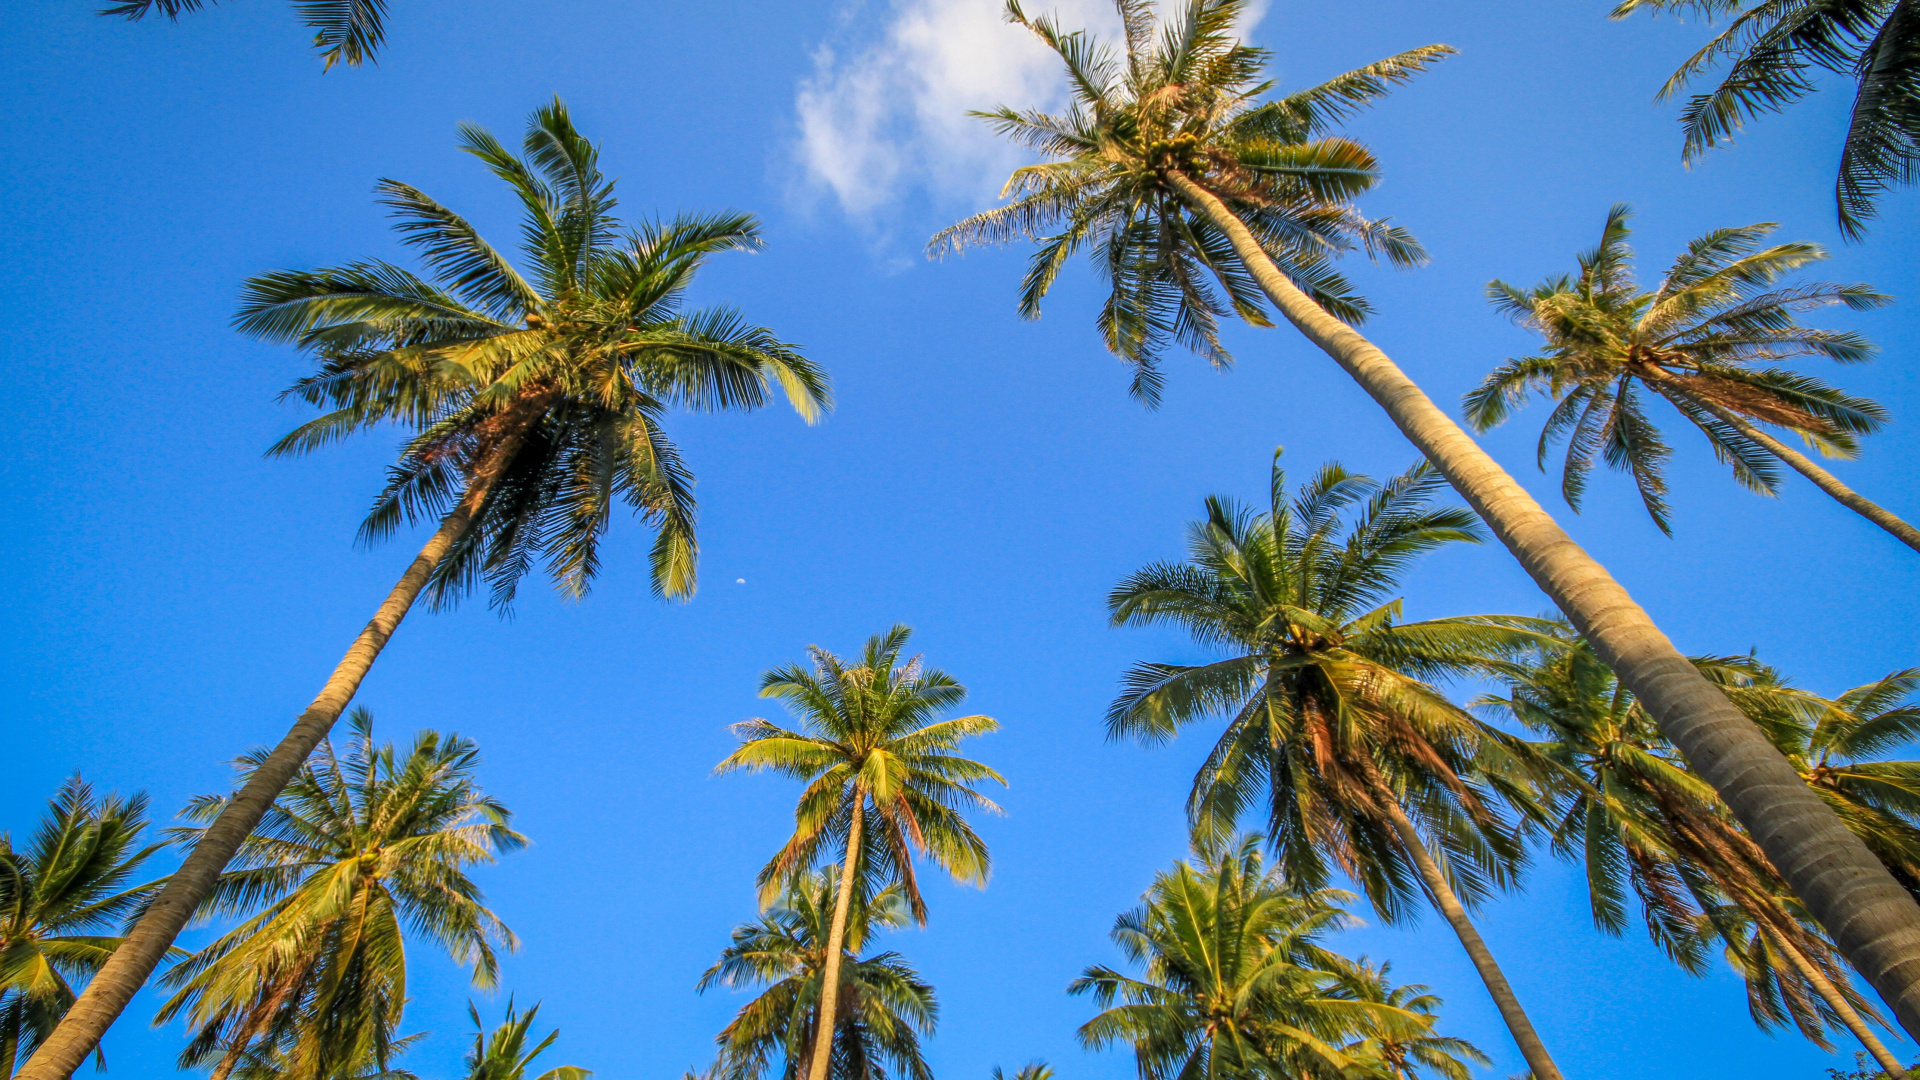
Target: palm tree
x: 1169, y: 168
x: 361, y: 846
x: 56, y: 895
x: 505, y: 1054
x: 537, y: 403
x: 1406, y: 1056
x: 1032, y: 1070
x: 1640, y: 820
x: 870, y: 758
x: 1332, y: 727
x: 1692, y: 342
x: 346, y: 32
x: 1235, y: 982
x: 878, y: 1026
x: 1155, y: 251
x: 1773, y: 49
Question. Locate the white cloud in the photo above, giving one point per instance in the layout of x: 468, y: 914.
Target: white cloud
x: 889, y: 115
x: 892, y: 114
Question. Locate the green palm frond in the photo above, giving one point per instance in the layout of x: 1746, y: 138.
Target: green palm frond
x: 569, y: 368
x: 1235, y: 981
x: 783, y: 952
x: 364, y: 845
x: 1699, y: 341
x: 347, y: 32
x: 508, y: 1051
x: 1324, y: 684
x: 869, y: 742
x: 73, y: 879
x: 1180, y: 93
x: 1772, y: 51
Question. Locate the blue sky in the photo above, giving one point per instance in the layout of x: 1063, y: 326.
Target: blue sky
x: 175, y: 598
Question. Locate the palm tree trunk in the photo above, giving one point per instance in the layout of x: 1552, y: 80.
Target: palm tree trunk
x: 836, y: 940
x: 1842, y: 1008
x: 1821, y: 478
x: 1539, y: 1062
x: 133, y: 961
x: 1873, y: 920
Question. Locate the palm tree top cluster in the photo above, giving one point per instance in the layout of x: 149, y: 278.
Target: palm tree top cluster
x: 1428, y: 765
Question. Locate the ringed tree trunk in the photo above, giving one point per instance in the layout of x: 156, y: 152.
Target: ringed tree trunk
x: 1873, y: 920
x: 1821, y: 478
x: 1539, y: 1062
x: 825, y: 1022
x: 133, y: 961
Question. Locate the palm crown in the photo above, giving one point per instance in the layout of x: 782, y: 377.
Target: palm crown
x: 56, y: 896
x: 361, y: 846
x: 508, y: 1052
x: 886, y: 1006
x: 870, y: 741
x: 1405, y: 1054
x: 1696, y: 341
x: 557, y: 379
x: 1323, y: 685
x: 1235, y: 981
x: 1185, y: 97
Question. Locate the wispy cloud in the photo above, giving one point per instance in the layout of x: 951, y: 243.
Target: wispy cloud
x: 886, y: 113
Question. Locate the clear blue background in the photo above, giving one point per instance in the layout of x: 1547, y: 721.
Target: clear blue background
x: 173, y: 599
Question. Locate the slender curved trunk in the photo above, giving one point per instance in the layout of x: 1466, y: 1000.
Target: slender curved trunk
x: 1841, y: 1007
x: 1821, y: 478
x: 836, y: 942
x: 1873, y: 920
x: 133, y: 961
x: 1539, y: 1062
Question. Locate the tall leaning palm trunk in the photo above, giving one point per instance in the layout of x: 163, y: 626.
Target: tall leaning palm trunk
x: 1873, y: 920
x: 1741, y: 869
x: 1166, y: 168
x: 1772, y: 921
x: 1644, y: 825
x: 824, y: 1024
x: 536, y: 398
x: 128, y: 969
